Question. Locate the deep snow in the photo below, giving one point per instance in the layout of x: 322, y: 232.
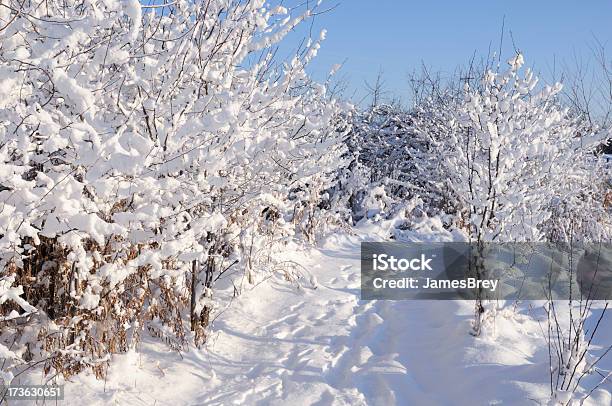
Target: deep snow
x: 319, y: 344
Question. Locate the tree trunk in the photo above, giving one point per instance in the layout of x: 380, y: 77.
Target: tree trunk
x: 194, y: 283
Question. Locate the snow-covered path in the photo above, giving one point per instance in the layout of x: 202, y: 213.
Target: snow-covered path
x: 278, y: 345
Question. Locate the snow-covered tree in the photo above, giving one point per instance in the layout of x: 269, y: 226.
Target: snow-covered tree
x: 507, y: 153
x: 137, y: 139
x: 517, y: 165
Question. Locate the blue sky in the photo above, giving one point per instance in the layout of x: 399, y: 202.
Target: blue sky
x: 397, y: 36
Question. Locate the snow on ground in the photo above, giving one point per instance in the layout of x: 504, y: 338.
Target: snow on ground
x: 279, y: 345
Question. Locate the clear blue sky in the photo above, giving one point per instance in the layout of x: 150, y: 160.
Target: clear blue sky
x: 397, y: 36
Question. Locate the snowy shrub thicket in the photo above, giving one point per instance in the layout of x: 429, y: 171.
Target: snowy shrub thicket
x: 144, y: 150
x: 501, y: 159
x: 387, y: 155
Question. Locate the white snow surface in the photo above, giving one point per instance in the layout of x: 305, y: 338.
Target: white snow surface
x: 277, y: 344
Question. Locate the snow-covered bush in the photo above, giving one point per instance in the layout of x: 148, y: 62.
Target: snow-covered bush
x: 509, y: 154
x: 137, y: 139
x: 382, y: 140
x: 386, y: 158
x: 516, y: 164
